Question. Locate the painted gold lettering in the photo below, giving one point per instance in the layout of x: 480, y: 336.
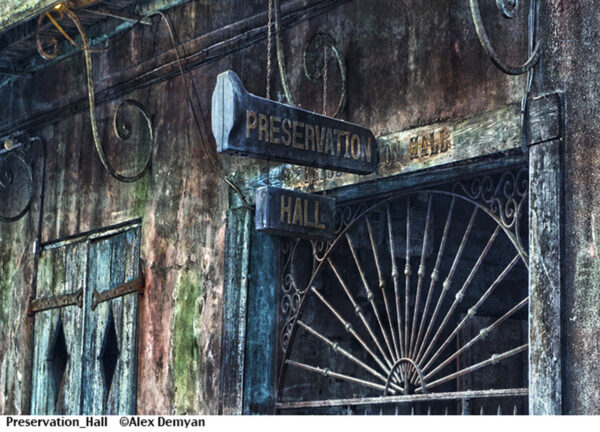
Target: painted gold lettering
x: 298, y: 212
x: 444, y: 141
x: 309, y: 135
x: 318, y: 223
x: 286, y: 210
x: 414, y: 147
x: 263, y: 128
x: 274, y: 129
x: 297, y: 134
x: 320, y: 138
x: 355, y: 147
x: 307, y: 222
x: 250, y: 122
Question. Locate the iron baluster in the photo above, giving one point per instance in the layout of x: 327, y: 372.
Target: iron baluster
x: 445, y: 288
x: 358, y: 311
x: 460, y: 294
x: 348, y: 327
x: 336, y: 348
x: 479, y: 336
x: 492, y: 360
x: 370, y: 296
x: 435, y: 273
x: 473, y: 310
x: 421, y: 272
x: 395, y: 275
x: 382, y: 285
x: 330, y: 373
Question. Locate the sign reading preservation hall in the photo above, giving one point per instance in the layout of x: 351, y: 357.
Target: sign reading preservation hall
x: 294, y: 214
x: 248, y: 125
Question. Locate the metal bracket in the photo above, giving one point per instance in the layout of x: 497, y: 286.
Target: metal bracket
x: 136, y: 285
x: 43, y: 304
x: 545, y: 118
x: 124, y: 16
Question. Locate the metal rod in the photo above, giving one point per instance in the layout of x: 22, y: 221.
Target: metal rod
x: 460, y: 294
x: 370, y: 295
x: 382, y: 287
x: 47, y: 303
x: 124, y: 16
x: 358, y: 311
x: 136, y: 285
x: 407, y: 272
x: 446, y: 286
x: 482, y: 334
x: 473, y: 310
x: 395, y: 275
x: 492, y: 360
x: 435, y: 272
x: 336, y: 348
x: 421, y: 273
x: 349, y: 329
x: 330, y: 373
x: 470, y: 394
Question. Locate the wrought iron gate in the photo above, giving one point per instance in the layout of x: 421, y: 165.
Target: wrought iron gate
x: 419, y: 305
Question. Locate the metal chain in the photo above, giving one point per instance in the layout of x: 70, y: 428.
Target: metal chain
x: 269, y: 43
x: 324, y: 78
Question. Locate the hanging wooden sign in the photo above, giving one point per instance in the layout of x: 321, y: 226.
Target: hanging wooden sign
x: 295, y: 214
x: 249, y: 125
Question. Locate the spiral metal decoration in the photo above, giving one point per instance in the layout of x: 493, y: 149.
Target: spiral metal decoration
x: 509, y: 9
x: 319, y: 39
x: 121, y: 128
x: 16, y: 184
x: 412, y: 282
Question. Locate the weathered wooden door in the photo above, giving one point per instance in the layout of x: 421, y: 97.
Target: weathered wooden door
x: 85, y: 355
x: 58, y: 336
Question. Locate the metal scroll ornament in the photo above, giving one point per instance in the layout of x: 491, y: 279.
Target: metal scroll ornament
x: 509, y: 9
x: 122, y: 128
x: 16, y: 186
x: 314, y: 58
x: 389, y: 310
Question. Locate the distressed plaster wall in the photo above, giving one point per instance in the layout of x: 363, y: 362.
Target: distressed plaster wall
x: 410, y: 63
x: 571, y: 33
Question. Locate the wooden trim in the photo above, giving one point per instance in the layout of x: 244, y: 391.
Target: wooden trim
x: 545, y: 251
x: 235, y: 290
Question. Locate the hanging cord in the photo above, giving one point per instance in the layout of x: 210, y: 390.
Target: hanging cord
x: 269, y: 43
x: 90, y: 84
x: 197, y: 119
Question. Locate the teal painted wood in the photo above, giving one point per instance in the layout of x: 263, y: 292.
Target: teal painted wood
x: 61, y: 271
x: 432, y: 177
x: 235, y: 290
x: 261, y: 325
x: 113, y: 261
x: 100, y: 263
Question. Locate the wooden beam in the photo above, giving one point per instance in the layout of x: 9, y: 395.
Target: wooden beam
x: 204, y: 49
x: 545, y: 250
x: 235, y: 291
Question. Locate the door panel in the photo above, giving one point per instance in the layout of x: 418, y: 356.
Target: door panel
x: 58, y: 334
x: 85, y: 358
x: 112, y: 370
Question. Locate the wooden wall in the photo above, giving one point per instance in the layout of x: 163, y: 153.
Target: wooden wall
x: 409, y: 63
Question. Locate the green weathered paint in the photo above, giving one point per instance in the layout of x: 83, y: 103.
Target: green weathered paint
x: 140, y: 196
x: 187, y: 362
